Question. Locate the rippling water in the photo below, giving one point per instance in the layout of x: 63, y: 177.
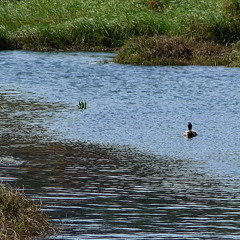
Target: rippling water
x: 121, y: 169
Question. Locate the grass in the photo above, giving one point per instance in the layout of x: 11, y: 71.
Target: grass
x: 108, y: 24
x: 21, y: 218
x: 213, y: 20
x: 164, y: 50
x: 75, y: 24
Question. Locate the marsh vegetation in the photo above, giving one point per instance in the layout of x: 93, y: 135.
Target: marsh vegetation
x: 108, y: 24
x: 163, y: 50
x: 21, y: 218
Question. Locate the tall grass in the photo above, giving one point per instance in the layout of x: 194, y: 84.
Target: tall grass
x: 83, y: 24
x: 20, y: 216
x: 74, y: 24
x: 206, y: 20
x: 3, y: 38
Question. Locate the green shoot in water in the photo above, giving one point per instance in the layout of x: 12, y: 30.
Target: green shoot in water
x: 82, y: 105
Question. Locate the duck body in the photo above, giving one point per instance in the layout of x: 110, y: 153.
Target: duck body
x: 190, y: 133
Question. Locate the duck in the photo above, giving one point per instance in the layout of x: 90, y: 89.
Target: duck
x: 190, y: 133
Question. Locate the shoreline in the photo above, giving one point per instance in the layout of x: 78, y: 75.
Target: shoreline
x: 110, y: 26
x: 162, y: 50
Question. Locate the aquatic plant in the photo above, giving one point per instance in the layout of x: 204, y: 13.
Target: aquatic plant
x: 21, y: 218
x: 82, y: 105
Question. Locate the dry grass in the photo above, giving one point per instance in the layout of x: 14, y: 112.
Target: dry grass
x: 164, y: 50
x: 21, y: 218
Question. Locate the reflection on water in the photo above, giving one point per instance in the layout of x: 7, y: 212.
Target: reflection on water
x: 105, y: 193
x: 121, y: 169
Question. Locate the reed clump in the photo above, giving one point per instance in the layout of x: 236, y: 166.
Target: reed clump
x: 21, y: 218
x: 164, y: 50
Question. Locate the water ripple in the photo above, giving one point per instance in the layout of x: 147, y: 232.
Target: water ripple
x: 121, y: 169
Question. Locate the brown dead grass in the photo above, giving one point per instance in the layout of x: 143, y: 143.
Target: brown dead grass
x: 164, y: 50
x: 20, y: 217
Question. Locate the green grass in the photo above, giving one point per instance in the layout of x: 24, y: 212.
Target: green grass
x: 214, y: 20
x: 21, y: 218
x: 82, y: 105
x: 108, y: 24
x: 40, y: 24
x: 72, y: 24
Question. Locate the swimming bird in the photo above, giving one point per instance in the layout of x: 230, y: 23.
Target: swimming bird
x: 190, y: 133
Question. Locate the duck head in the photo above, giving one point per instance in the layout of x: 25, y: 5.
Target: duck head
x: 189, y: 126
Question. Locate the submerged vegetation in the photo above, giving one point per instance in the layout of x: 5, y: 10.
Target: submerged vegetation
x: 20, y: 218
x: 110, y: 24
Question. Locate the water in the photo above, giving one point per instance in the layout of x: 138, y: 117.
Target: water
x: 121, y: 169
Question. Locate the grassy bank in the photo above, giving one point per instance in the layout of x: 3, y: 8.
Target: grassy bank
x: 108, y: 24
x: 74, y: 24
x: 20, y: 218
x: 164, y: 50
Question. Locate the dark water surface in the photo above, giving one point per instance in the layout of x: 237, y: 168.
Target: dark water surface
x: 121, y: 169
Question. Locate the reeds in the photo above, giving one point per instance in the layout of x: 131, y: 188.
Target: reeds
x: 164, y: 50
x: 20, y: 218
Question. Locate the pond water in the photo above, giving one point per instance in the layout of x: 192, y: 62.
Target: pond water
x: 121, y: 168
